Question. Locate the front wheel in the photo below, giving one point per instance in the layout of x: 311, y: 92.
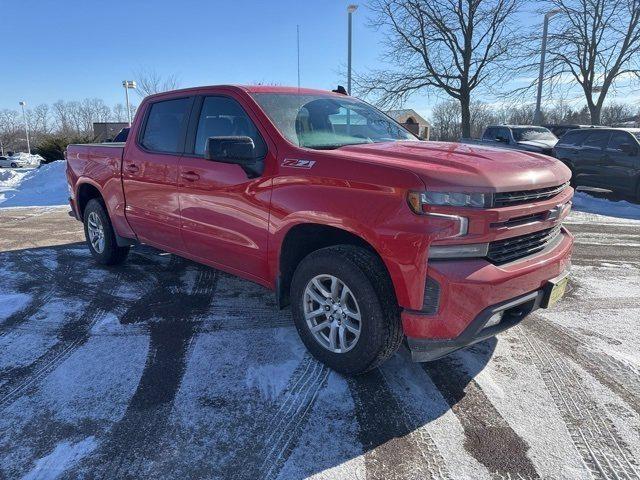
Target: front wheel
x: 14, y: 165
x: 344, y: 309
x: 100, y: 235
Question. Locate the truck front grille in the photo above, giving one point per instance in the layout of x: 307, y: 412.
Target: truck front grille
x: 505, y: 199
x: 515, y: 248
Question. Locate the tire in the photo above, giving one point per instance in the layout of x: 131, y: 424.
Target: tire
x: 370, y: 293
x: 100, y: 236
x: 14, y: 165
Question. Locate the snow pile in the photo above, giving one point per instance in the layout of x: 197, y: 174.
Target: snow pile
x: 586, y: 203
x: 46, y: 186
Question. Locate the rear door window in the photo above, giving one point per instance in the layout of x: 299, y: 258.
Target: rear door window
x: 165, y: 126
x: 617, y: 139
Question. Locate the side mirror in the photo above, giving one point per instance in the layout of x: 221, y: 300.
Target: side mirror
x: 238, y: 150
x: 628, y: 148
x: 229, y: 149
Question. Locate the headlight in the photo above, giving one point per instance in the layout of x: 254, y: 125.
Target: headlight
x: 449, y: 199
x: 470, y: 250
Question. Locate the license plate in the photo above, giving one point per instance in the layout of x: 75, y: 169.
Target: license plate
x: 555, y: 291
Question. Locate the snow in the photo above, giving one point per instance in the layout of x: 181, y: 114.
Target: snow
x: 12, y: 302
x: 45, y: 186
x: 64, y: 456
x: 587, y: 203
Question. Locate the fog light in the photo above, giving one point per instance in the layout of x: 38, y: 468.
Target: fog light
x: 494, y: 320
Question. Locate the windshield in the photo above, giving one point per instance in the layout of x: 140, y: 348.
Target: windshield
x: 532, y: 133
x: 327, y: 122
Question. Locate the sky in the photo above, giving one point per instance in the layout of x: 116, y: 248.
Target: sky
x: 72, y: 49
x: 75, y: 49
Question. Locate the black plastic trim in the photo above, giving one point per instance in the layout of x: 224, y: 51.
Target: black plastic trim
x: 516, y: 309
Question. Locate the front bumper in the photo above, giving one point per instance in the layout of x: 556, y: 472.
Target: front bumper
x: 472, y: 290
x: 514, y: 311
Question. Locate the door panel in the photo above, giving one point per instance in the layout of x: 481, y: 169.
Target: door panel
x: 150, y: 174
x: 590, y: 159
x: 224, y: 213
x: 619, y: 166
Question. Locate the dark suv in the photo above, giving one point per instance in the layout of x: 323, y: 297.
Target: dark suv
x: 604, y: 157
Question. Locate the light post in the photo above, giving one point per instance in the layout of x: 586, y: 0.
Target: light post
x: 351, y: 8
x: 127, y: 84
x: 537, y: 116
x: 26, y: 126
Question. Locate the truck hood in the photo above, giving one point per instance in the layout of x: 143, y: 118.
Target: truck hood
x: 470, y: 168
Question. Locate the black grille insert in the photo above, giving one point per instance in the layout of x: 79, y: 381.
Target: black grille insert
x: 431, y: 297
x: 505, y: 199
x: 515, y: 248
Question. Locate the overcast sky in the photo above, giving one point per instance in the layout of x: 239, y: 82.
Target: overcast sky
x: 72, y: 49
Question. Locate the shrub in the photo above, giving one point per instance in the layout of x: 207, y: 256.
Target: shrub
x: 52, y: 147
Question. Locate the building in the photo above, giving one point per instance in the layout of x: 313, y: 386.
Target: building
x: 411, y: 121
x: 106, y: 131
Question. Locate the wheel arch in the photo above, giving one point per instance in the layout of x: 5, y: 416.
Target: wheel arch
x: 304, y: 238
x: 86, y: 191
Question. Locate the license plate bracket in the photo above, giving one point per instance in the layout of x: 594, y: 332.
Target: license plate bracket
x: 554, y: 290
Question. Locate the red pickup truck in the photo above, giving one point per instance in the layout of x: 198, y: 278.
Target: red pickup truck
x: 371, y: 235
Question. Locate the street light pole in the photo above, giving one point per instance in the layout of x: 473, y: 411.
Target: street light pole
x: 537, y: 116
x: 351, y: 8
x: 26, y: 126
x: 127, y: 84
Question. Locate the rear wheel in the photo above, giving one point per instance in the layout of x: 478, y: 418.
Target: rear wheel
x: 100, y: 235
x: 344, y: 309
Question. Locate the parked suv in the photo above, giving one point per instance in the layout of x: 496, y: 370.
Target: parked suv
x: 521, y: 137
x: 604, y: 157
x: 560, y: 130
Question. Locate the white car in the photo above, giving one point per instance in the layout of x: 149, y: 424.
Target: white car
x: 15, y: 161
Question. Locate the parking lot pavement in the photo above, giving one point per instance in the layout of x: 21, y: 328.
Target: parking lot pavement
x: 162, y: 368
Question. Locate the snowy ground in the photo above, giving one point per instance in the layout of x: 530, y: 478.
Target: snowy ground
x: 163, y: 368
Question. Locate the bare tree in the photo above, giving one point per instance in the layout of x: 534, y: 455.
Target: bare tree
x: 150, y: 81
x: 615, y: 113
x: 450, y: 46
x: 595, y: 43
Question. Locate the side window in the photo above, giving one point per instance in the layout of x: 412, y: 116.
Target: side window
x: 489, y: 134
x: 503, y: 133
x: 597, y: 140
x: 165, y: 124
x: 223, y: 117
x: 617, y: 139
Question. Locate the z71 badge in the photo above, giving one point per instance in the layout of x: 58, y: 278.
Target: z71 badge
x: 292, y: 162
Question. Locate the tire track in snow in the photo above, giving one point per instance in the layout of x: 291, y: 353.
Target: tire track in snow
x: 138, y: 439
x: 50, y: 283
x: 275, y: 434
x: 488, y: 436
x: 593, y: 433
x: 609, y: 371
x: 395, y: 445
x: 72, y: 335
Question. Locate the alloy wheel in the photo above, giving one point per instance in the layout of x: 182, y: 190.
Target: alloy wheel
x: 96, y: 232
x: 332, y: 313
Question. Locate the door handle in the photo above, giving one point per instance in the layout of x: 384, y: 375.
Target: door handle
x: 190, y: 176
x: 131, y: 168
